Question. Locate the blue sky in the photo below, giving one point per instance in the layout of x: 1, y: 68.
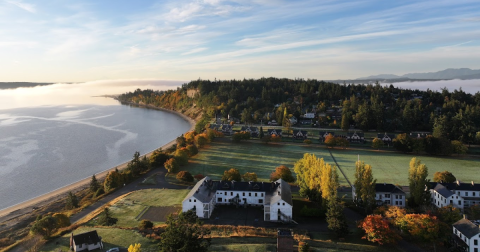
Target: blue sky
x: 64, y: 40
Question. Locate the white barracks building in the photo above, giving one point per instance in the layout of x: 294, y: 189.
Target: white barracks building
x: 274, y: 197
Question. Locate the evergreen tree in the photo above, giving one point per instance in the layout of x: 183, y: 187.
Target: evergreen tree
x: 106, y: 219
x: 261, y: 134
x: 335, y: 218
x: 94, y: 185
x: 72, y: 201
x: 185, y: 233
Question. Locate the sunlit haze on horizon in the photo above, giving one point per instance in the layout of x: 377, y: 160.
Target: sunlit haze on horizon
x: 64, y: 41
x: 78, y: 93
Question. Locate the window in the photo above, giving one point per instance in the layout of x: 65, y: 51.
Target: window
x: 194, y: 200
x: 459, y: 202
x: 260, y: 201
x: 225, y: 193
x: 220, y: 199
x: 475, y: 242
x: 387, y: 195
x: 190, y: 200
x: 278, y: 203
x: 249, y: 194
x: 231, y: 193
x: 284, y: 204
x: 400, y: 196
x: 261, y: 194
x: 451, y: 201
x: 475, y: 250
x: 243, y: 194
x: 473, y: 193
x: 255, y: 194
x: 466, y: 193
x: 387, y: 202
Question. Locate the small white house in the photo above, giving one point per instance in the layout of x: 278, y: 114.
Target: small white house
x: 86, y: 241
x: 466, y: 235
x: 441, y: 197
x: 386, y: 194
x: 274, y: 197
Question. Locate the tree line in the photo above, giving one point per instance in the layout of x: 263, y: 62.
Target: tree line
x: 454, y: 115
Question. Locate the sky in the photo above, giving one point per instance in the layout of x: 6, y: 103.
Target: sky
x: 88, y: 40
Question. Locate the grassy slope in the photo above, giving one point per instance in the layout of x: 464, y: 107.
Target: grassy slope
x: 128, y: 208
x: 111, y: 237
x: 249, y: 157
x: 393, y: 167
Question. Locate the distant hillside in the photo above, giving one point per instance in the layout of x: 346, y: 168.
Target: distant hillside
x: 451, y: 73
x: 13, y: 85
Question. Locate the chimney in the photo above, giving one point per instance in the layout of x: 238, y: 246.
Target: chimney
x: 384, y: 183
x: 458, y: 182
x: 473, y: 184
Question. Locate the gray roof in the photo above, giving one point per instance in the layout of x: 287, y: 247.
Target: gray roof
x: 467, y: 228
x: 281, y: 192
x: 206, y: 188
x: 390, y: 188
x: 439, y: 188
x: 86, y: 238
x: 203, y: 191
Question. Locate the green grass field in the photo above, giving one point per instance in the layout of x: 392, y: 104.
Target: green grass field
x: 393, y: 167
x: 388, y: 167
x: 127, y: 209
x: 111, y: 237
x: 250, y: 157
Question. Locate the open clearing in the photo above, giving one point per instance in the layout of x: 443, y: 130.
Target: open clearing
x: 388, y: 167
x: 130, y: 210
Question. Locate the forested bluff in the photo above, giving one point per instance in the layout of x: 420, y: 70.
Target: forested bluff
x: 450, y: 115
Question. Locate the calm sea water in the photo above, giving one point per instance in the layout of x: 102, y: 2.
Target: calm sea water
x: 43, y: 148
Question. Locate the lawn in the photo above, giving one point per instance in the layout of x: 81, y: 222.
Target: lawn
x: 391, y: 167
x: 129, y: 210
x: 250, y: 157
x: 111, y: 237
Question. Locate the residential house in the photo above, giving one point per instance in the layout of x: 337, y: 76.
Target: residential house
x: 419, y: 134
x: 466, y: 235
x: 386, y: 194
x: 254, y: 132
x: 386, y: 138
x: 309, y: 115
x: 274, y: 197
x: 226, y: 129
x: 300, y: 134
x: 276, y: 132
x: 356, y: 137
x: 324, y: 134
x: 86, y: 241
x: 458, y: 194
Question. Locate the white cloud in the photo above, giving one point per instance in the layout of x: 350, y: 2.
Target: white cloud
x: 22, y: 5
x: 196, y: 50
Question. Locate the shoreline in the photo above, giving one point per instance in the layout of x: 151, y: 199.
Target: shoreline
x: 32, y: 204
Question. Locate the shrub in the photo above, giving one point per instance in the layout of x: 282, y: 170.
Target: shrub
x: 171, y: 165
x: 201, y: 140
x: 199, y: 176
x: 145, y: 224
x: 192, y: 150
x: 232, y: 174
x: 307, y: 141
x: 184, y: 176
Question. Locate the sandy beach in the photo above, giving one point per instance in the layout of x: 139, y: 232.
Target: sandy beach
x: 30, y: 205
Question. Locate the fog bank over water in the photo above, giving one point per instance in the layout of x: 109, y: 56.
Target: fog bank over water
x: 78, y: 93
x: 468, y: 86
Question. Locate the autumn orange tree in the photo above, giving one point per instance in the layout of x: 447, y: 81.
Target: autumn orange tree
x: 330, y: 141
x: 282, y: 172
x: 422, y: 227
x: 378, y: 230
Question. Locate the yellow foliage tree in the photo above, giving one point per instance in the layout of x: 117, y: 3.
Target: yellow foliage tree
x: 135, y: 247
